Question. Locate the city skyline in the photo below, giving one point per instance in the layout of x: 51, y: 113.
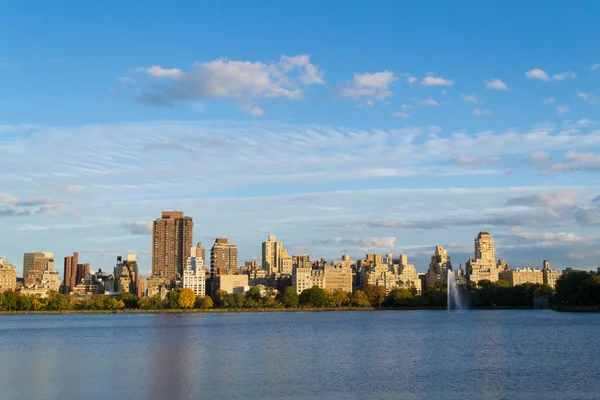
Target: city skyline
x: 419, y: 130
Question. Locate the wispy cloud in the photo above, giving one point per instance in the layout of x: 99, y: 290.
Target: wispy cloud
x: 481, y: 113
x: 471, y: 98
x: 562, y: 109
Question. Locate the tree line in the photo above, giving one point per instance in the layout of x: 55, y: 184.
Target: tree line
x: 577, y: 288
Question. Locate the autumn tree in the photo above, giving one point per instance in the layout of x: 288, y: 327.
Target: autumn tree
x: 360, y: 299
x: 187, y: 298
x: 338, y: 298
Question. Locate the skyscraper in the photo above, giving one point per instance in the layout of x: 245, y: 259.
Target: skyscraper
x: 70, y: 272
x: 438, y: 267
x: 271, y: 255
x: 201, y: 252
x: 484, y: 248
x: 171, y: 244
x: 483, y: 266
x: 223, y: 257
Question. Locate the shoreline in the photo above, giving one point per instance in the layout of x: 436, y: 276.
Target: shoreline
x: 270, y: 310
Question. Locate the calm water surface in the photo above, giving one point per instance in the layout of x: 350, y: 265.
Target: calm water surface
x: 324, y: 355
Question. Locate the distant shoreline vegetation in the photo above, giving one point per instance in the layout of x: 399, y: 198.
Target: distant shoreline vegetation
x: 575, y: 291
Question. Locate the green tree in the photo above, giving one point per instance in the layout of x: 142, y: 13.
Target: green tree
x: 10, y: 301
x: 58, y: 302
x: 290, y: 297
x: 236, y: 300
x: 151, y: 303
x: 376, y: 294
x: 171, y: 300
x: 36, y: 304
x: 254, y: 294
x: 313, y: 297
x: 187, y: 298
x: 221, y: 298
x: 437, y: 294
x: 112, y: 304
x: 399, y: 297
x: 360, y: 299
x: 130, y: 300
x: 24, y: 302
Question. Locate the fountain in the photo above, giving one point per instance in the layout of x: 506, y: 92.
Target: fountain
x: 453, y: 294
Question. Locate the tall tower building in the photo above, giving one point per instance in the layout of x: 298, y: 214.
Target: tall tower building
x: 223, y: 257
x: 438, y: 267
x: 171, y: 244
x: 484, y: 248
x: 70, y: 272
x: 201, y: 252
x: 271, y: 253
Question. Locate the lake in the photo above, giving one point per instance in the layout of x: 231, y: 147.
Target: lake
x: 509, y: 354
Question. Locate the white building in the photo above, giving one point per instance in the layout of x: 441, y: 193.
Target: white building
x: 194, y: 275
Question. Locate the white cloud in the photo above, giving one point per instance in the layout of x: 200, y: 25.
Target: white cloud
x: 540, y: 157
x: 138, y: 227
x: 541, y: 75
x: 436, y: 81
x: 480, y: 113
x: 401, y: 115
x: 406, y: 107
x: 369, y: 87
x: 562, y: 109
x: 239, y: 80
x: 411, y: 79
x: 471, y: 98
x: 160, y: 72
x: 549, y: 100
x: 575, y: 157
x: 586, y: 122
x: 595, y: 67
x: 564, y: 75
x: 467, y: 160
x: 229, y: 157
x: 589, y: 97
x: 254, y: 110
x: 496, y: 84
x: 430, y: 102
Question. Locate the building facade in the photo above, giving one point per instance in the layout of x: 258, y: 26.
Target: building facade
x: 328, y: 277
x: 234, y: 283
x: 126, y: 274
x: 171, y: 244
x: 194, y: 275
x: 34, y: 266
x: 483, y: 266
x: 223, y: 258
x: 438, y: 267
x: 8, y: 276
x: 275, y: 258
x: 70, y: 272
x: 519, y: 276
x: 550, y: 276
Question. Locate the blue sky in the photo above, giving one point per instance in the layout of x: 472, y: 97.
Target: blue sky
x: 342, y: 127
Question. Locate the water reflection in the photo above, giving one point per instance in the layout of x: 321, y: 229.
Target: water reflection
x: 383, y: 355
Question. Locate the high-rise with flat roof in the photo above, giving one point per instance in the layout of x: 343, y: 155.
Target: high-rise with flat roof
x: 223, y: 257
x: 171, y: 244
x: 34, y: 266
x: 70, y: 272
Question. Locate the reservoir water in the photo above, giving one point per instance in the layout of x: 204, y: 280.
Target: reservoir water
x: 322, y: 355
